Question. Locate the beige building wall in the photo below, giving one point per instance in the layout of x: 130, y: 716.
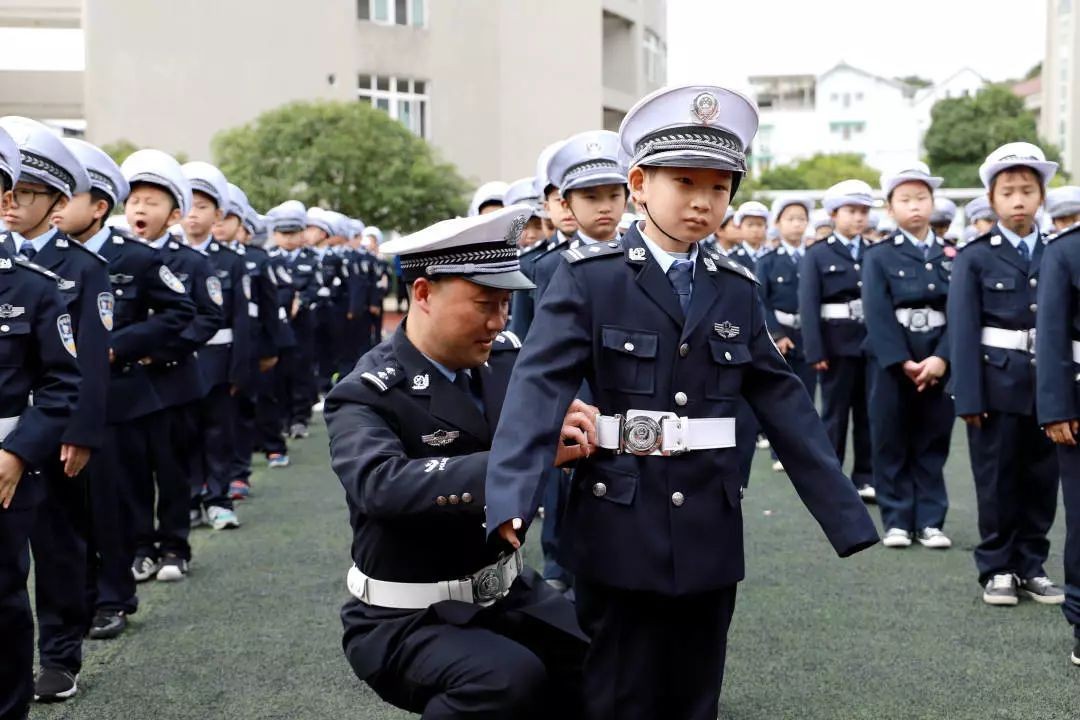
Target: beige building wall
x: 40, y: 13
x: 503, y: 78
x: 1060, y: 117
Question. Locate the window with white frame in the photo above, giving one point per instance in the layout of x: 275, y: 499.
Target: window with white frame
x: 393, y: 12
x: 404, y: 99
x: 655, y: 57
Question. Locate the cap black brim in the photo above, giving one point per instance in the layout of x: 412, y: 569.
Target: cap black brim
x: 514, y: 280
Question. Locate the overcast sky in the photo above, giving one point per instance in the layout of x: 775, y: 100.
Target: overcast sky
x: 725, y: 41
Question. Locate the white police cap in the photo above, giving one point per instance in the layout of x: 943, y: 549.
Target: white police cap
x: 1022, y: 154
x: 523, y: 192
x: 237, y: 204
x: 356, y: 227
x: 585, y: 160
x: 699, y: 126
x: 944, y: 211
x: 288, y: 217
x: 104, y: 173
x: 751, y: 208
x: 489, y: 192
x: 374, y: 232
x: 848, y: 192
x: 481, y: 249
x: 783, y: 202
x: 729, y: 215
x: 339, y: 224
x: 254, y: 223
x: 44, y: 156
x: 10, y: 161
x: 208, y: 180
x: 820, y: 218
x: 317, y: 217
x: 155, y: 167
x: 970, y: 233
x: 1063, y: 201
x: 543, y: 181
x: 979, y: 209
x: 873, y: 220
x: 627, y: 219
x: 912, y: 171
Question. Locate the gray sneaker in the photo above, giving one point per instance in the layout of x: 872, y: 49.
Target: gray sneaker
x: 1001, y: 590
x: 1043, y: 590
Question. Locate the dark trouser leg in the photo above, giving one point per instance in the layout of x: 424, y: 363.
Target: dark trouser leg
x: 244, y: 433
x: 302, y: 385
x: 806, y: 373
x: 270, y: 413
x: 994, y: 463
x: 836, y: 390
x: 1069, y: 461
x: 16, y: 620
x: 124, y: 470
x: 556, y: 489
x: 58, y: 541
x: 933, y: 425
x: 173, y: 470
x: 218, y: 411
x: 892, y: 432
x: 862, y: 469
x: 653, y: 656
x: 1038, y: 476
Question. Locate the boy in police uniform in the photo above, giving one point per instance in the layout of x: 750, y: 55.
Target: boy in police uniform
x: 991, y: 314
x: 37, y: 357
x: 1057, y: 351
x: 905, y: 286
x: 667, y: 338
x: 441, y: 622
x: 1063, y: 206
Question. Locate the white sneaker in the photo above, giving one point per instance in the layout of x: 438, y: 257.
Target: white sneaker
x: 934, y: 539
x: 222, y: 518
x: 763, y: 443
x: 867, y: 493
x: 777, y: 466
x: 896, y: 538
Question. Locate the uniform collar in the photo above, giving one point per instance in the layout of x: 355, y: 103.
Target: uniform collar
x: 205, y: 245
x: 97, y: 240
x: 845, y: 241
x: 662, y: 257
x: 786, y: 249
x: 39, y: 242
x: 931, y: 239
x: 1015, y: 239
x: 160, y: 242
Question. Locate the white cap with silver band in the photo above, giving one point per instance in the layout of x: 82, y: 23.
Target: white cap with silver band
x: 646, y: 432
x: 483, y: 587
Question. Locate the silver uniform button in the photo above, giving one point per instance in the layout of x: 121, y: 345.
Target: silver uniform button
x: 441, y: 500
x: 858, y: 266
x: 832, y: 268
x: 677, y: 499
x: 931, y: 286
x: 680, y: 398
x: 599, y: 489
x: 629, y: 347
x: 858, y: 284
x: 119, y: 292
x: 4, y: 328
x: 455, y: 500
x: 684, y: 350
x: 727, y: 356
x: 1034, y: 282
x: 999, y: 286
x: 466, y: 498
x: 929, y: 266
x: 901, y: 273
x: 1033, y: 307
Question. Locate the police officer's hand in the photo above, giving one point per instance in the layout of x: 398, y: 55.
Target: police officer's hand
x: 508, y: 531
x: 578, y: 436
x: 267, y: 363
x: 785, y: 345
x: 822, y: 366
x: 74, y: 458
x: 11, y: 471
x: 1064, y: 432
x: 975, y: 421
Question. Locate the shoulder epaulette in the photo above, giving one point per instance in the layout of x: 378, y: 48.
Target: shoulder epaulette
x: 985, y: 237
x: 596, y: 250
x: 24, y: 263
x: 736, y: 267
x: 184, y: 246
x: 506, y: 340
x: 88, y: 251
x: 383, y: 376
x: 1061, y: 233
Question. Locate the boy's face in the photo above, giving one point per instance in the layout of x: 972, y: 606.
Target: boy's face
x: 911, y: 205
x: 560, y: 216
x: 32, y: 204
x: 489, y: 207
x: 288, y: 240
x: 1066, y: 221
x: 851, y: 220
x: 754, y: 230
x: 983, y: 225
x: 242, y: 235
x: 150, y: 211
x: 792, y: 224
x: 202, y: 216
x: 598, y: 209
x: 532, y: 234
x: 688, y: 203
x: 79, y: 214
x: 823, y: 232
x: 314, y: 235
x: 1015, y: 197
x: 226, y: 230
x: 940, y: 228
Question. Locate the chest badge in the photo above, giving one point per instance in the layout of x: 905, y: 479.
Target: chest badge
x: 213, y: 289
x: 709, y: 264
x: 440, y: 438
x: 67, y: 334
x: 105, y: 305
x: 421, y: 382
x: 171, y: 281
x: 637, y: 254
x: 5, y: 263
x: 726, y: 330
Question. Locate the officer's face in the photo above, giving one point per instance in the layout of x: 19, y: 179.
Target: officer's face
x: 150, y: 211
x: 911, y: 205
x: 31, y: 206
x: 532, y: 234
x: 288, y: 240
x: 1066, y: 221
x: 851, y: 220
x: 79, y: 214
x: 1016, y: 196
x: 754, y: 230
x: 242, y: 235
x: 560, y: 215
x: 688, y: 203
x: 597, y: 209
x: 460, y: 319
x: 314, y: 235
x: 226, y: 230
x: 202, y: 216
x: 792, y: 223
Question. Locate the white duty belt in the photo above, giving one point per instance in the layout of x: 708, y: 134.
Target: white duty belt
x: 842, y: 311
x: 791, y: 320
x: 221, y: 337
x: 644, y: 432
x: 6, y: 426
x: 483, y: 587
x: 1023, y: 340
x: 920, y: 319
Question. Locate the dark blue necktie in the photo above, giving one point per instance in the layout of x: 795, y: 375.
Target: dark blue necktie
x: 463, y: 381
x: 1022, y: 248
x: 679, y: 275
x: 854, y: 249
x: 27, y: 250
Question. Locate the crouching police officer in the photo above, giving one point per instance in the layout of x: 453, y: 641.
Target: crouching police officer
x: 441, y: 624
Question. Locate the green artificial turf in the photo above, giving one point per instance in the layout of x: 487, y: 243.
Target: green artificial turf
x: 254, y: 631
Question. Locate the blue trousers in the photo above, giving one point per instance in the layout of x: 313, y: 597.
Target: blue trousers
x: 1069, y: 460
x: 844, y: 391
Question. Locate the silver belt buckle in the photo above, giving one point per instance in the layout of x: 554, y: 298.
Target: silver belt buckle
x: 919, y: 320
x: 856, y: 308
x: 488, y: 585
x: 644, y: 434
x: 1031, y: 341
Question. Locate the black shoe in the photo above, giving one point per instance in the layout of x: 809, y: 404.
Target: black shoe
x: 1076, y: 653
x: 55, y: 685
x: 108, y: 624
x: 144, y: 568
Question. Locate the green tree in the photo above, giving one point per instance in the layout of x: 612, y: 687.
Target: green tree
x: 964, y: 130
x: 349, y: 157
x: 915, y: 81
x: 817, y: 173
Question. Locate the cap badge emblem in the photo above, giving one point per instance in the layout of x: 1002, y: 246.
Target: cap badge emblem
x: 705, y: 108
x: 637, y: 254
x: 421, y: 382
x: 594, y: 149
x: 513, y: 233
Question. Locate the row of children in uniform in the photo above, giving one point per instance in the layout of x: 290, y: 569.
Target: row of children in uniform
x: 196, y: 346
x: 900, y: 323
